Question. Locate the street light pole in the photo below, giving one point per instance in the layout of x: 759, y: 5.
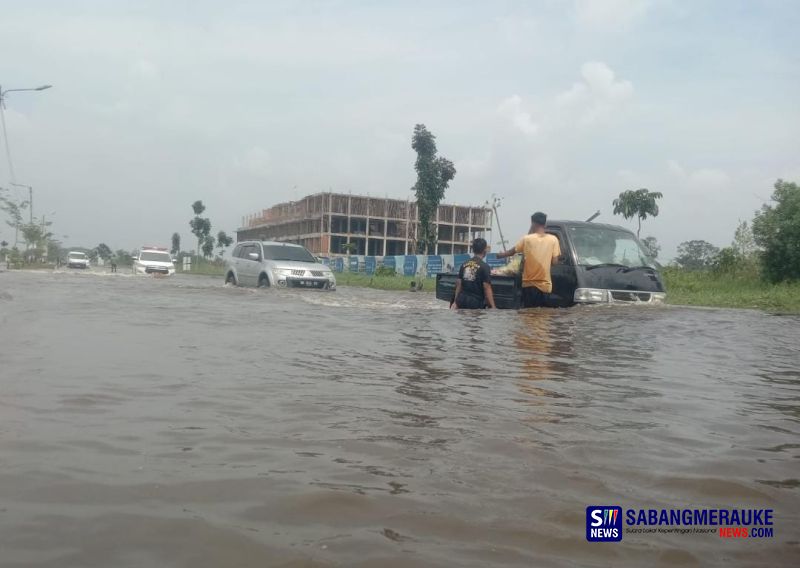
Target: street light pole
x: 3, y: 122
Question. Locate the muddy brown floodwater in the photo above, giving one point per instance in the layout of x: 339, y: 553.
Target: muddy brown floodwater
x: 179, y: 422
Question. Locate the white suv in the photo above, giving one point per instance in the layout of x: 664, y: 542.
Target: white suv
x: 77, y: 259
x: 153, y: 260
x: 283, y: 265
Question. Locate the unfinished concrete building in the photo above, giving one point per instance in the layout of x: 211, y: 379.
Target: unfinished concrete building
x: 332, y: 223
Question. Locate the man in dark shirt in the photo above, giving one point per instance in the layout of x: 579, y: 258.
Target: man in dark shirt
x: 473, y: 286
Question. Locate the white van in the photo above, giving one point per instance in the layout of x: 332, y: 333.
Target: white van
x: 77, y: 259
x: 153, y: 260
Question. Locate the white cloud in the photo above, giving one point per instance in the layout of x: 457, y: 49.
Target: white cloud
x: 144, y: 69
x: 629, y: 177
x: 511, y: 108
x: 594, y: 98
x: 609, y: 15
x: 255, y: 161
x: 702, y: 180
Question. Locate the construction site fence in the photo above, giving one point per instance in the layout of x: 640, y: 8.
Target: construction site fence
x: 406, y: 265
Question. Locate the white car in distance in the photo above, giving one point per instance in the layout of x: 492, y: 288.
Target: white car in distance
x: 77, y: 259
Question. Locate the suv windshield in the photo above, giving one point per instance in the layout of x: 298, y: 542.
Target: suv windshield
x: 77, y: 255
x: 283, y: 252
x: 155, y: 256
x: 599, y: 245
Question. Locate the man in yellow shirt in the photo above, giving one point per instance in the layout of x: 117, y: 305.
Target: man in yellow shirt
x: 539, y: 251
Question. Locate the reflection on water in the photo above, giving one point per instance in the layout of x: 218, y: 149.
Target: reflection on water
x: 178, y: 422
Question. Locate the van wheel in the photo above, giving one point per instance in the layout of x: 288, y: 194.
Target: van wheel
x: 263, y: 281
x: 230, y: 279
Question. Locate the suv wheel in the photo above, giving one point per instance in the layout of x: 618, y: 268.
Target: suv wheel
x: 263, y: 281
x: 230, y: 279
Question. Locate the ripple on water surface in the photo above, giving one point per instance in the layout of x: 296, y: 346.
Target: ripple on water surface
x: 181, y: 422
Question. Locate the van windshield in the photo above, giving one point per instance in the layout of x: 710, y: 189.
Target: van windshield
x: 282, y: 252
x: 599, y: 245
x: 77, y: 255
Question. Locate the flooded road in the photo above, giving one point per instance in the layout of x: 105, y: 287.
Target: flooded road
x: 178, y: 422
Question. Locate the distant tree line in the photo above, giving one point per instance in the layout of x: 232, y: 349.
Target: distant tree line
x: 769, y: 245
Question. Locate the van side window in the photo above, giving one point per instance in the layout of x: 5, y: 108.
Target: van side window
x: 564, y: 252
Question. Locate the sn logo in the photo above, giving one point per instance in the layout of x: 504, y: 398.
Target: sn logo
x: 604, y: 523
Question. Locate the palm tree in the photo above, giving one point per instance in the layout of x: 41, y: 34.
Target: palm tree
x: 637, y: 203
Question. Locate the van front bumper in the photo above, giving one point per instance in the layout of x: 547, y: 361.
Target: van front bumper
x: 602, y: 296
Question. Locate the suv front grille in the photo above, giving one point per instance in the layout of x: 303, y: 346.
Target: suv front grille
x: 317, y: 273
x: 620, y: 296
x: 298, y: 272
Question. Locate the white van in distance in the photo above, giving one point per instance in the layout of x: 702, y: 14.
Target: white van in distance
x: 153, y: 260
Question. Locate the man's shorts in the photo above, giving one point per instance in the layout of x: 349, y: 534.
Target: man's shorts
x: 468, y: 302
x: 532, y: 297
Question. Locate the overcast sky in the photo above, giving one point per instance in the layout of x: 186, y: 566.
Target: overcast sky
x: 553, y: 105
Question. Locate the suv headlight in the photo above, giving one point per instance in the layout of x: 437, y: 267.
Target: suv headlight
x: 591, y: 295
x: 658, y: 297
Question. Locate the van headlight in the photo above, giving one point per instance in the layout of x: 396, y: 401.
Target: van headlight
x: 590, y: 295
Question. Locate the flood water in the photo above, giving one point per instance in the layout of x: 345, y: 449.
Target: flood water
x: 179, y: 422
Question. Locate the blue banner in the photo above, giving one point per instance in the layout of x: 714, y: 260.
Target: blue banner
x: 460, y: 259
x: 353, y: 264
x: 434, y: 265
x: 492, y: 260
x: 389, y: 262
x: 369, y: 264
x: 410, y: 266
x: 338, y: 264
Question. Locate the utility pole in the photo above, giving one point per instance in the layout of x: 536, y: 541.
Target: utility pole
x: 496, y: 202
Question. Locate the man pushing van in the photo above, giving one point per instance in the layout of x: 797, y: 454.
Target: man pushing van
x: 539, y: 251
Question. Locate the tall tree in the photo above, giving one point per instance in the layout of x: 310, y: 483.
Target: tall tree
x: 776, y: 229
x: 696, y: 255
x: 434, y: 175
x: 201, y: 227
x: 223, y: 242
x: 176, y: 244
x: 123, y: 257
x: 637, y: 203
x: 652, y: 246
x: 208, y: 246
x: 14, y: 210
x: 54, y: 250
x: 743, y: 240
x: 104, y: 251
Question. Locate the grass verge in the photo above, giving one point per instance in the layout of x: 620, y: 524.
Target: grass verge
x: 204, y: 269
x: 705, y: 288
x: 383, y: 282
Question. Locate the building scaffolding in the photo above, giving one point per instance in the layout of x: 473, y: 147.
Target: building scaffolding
x: 336, y: 223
